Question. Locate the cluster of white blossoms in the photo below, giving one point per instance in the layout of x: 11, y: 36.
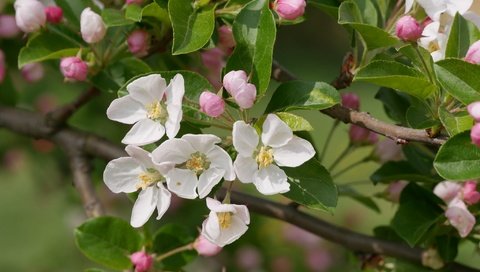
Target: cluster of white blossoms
x: 441, y: 13
x: 192, y: 165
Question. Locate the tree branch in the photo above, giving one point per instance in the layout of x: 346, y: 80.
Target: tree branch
x: 397, y: 133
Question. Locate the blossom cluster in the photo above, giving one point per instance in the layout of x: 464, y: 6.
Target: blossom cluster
x: 190, y: 166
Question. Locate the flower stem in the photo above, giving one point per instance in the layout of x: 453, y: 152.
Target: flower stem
x: 351, y: 166
x: 327, y: 141
x: 174, y: 251
x: 341, y: 157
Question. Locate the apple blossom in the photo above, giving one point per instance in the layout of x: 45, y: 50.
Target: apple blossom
x: 74, y: 68
x: 236, y: 84
x: 211, y: 104
x: 408, y: 29
x: 474, y: 110
x: 470, y: 194
x: 473, y: 53
x: 258, y: 161
x: 54, y: 14
x: 351, y: 101
x: 436, y: 8
x: 434, y: 40
x: 206, y: 248
x: 138, y: 172
x: 199, y: 164
x: 408, y: 5
x: 139, y: 42
x: 142, y: 261
x: 233, y: 80
x: 447, y: 190
x: 225, y: 223
x: 289, y: 9
x: 154, y: 108
x: 475, y: 134
x: 8, y: 26
x: 33, y: 72
x: 92, y: 27
x: 29, y: 15
x: 460, y: 218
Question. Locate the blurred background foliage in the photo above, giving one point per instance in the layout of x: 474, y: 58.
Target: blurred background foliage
x: 39, y: 208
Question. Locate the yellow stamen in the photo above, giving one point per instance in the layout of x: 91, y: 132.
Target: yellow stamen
x: 433, y: 46
x: 224, y: 219
x: 157, y: 111
x: 198, y: 163
x: 148, y: 178
x: 264, y: 157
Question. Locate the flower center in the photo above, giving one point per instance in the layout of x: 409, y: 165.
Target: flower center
x: 148, y: 178
x: 157, y: 111
x: 198, y: 163
x: 224, y: 219
x: 433, y: 46
x: 265, y: 156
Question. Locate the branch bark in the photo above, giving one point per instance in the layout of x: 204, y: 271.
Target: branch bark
x: 397, y: 133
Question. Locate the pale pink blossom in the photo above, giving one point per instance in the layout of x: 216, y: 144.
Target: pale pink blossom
x: 33, y: 72
x: 206, y: 248
x: 74, y: 68
x: 8, y: 26
x: 142, y: 261
x: 289, y: 9
x: 211, y: 104
x: 473, y: 53
x: 54, y: 14
x: 351, y: 101
x: 408, y: 29
x: 139, y: 42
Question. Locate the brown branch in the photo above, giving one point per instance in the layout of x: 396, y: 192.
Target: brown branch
x: 397, y: 133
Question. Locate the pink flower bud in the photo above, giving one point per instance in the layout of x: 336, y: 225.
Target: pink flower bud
x: 139, y: 42
x: 394, y: 190
x: 138, y: 2
x: 54, y: 14
x: 289, y: 9
x: 351, y: 100
x: 475, y: 134
x: 29, y: 15
x: 234, y: 80
x: 225, y: 38
x: 474, y: 110
x: 205, y: 247
x: 473, y: 53
x: 33, y: 72
x: 142, y: 261
x: 408, y: 29
x: 470, y: 194
x: 447, y: 190
x: 388, y: 150
x: 211, y: 104
x: 460, y: 218
x: 3, y: 66
x: 245, y: 96
x: 91, y: 26
x: 8, y: 26
x: 361, y: 136
x: 74, y: 68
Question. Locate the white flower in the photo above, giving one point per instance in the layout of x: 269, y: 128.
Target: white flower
x: 473, y: 13
x: 436, y: 8
x: 225, y: 223
x: 29, y: 15
x: 448, y: 191
x: 408, y: 5
x: 460, y: 218
x: 129, y: 174
x: 434, y: 40
x: 258, y: 162
x: 92, y: 26
x: 199, y: 164
x: 147, y: 108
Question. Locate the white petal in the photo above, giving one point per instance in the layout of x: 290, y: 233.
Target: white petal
x: 242, y: 213
x: 144, y: 206
x: 147, y: 89
x: 163, y: 201
x: 216, y: 206
x: 433, y: 8
x: 219, y: 158
x: 271, y: 180
x: 144, y: 132
x: 121, y: 175
x: 294, y: 153
x: 447, y: 190
x: 211, y: 227
x: 175, y: 151
x: 245, y: 138
x: 140, y: 155
x: 231, y: 234
x: 408, y: 5
x: 176, y: 90
x: 172, y: 125
x: 126, y: 110
x: 461, y: 219
x: 208, y: 180
x: 275, y: 132
x: 182, y: 182
x: 202, y: 142
x: 245, y: 168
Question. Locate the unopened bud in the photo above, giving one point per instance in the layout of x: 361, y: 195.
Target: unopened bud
x: 142, y: 261
x: 474, y: 110
x: 92, y: 26
x: 475, y: 134
x: 205, y: 247
x: 245, y: 96
x: 29, y: 15
x: 234, y: 80
x: 473, y: 53
x: 74, y: 68
x: 470, y: 194
x: 33, y: 72
x: 408, y: 29
x: 362, y: 136
x: 54, y: 14
x: 139, y: 42
x: 351, y: 100
x: 225, y: 38
x: 289, y: 9
x: 211, y: 104
x: 8, y: 26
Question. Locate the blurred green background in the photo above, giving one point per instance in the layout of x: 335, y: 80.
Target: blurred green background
x: 39, y: 208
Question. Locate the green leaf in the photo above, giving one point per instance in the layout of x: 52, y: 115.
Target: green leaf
x: 345, y: 190
x: 156, y: 11
x: 192, y: 27
x: 420, y: 158
x: 40, y: 47
x: 368, y: 12
x: 115, y: 17
x: 330, y: 7
x: 312, y: 186
x: 134, y: 13
x: 301, y: 95
x: 420, y: 116
x: 397, y: 76
x: 170, y: 237
x: 458, y: 158
x: 394, y: 103
x: 295, y: 122
x: 254, y: 31
x: 419, y: 210
x: 374, y: 37
x: 456, y: 122
x: 417, y: 59
x: 108, y: 241
x: 401, y: 170
x: 447, y: 246
x: 459, y: 38
x: 460, y: 79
